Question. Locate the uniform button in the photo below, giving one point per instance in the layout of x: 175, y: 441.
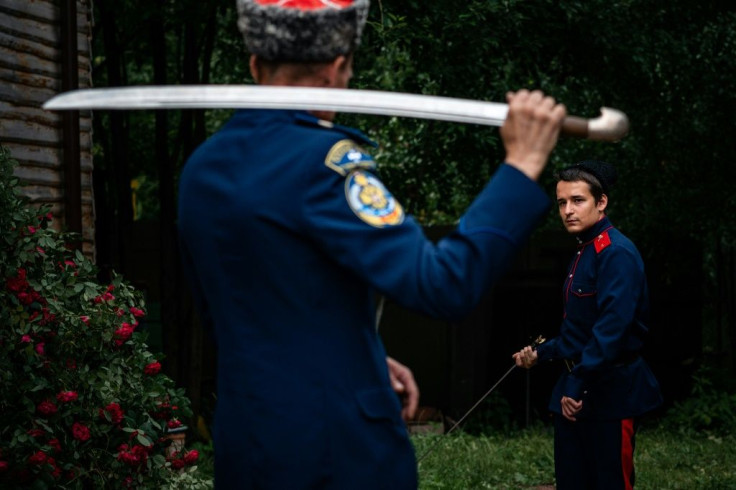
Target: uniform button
x: 570, y: 275
x: 580, y: 290
x: 578, y: 252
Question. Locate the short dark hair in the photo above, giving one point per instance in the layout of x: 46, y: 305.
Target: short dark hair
x: 599, y: 176
x: 574, y: 174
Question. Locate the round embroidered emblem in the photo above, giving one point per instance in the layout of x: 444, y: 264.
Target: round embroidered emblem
x: 371, y: 201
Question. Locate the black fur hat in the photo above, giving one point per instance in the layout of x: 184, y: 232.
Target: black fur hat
x: 301, y: 30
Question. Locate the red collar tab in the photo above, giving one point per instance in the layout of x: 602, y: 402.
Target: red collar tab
x: 601, y: 242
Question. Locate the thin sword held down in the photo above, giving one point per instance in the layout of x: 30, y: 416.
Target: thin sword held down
x: 539, y: 340
x: 611, y: 125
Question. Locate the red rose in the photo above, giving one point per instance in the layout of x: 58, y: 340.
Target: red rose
x: 174, y: 423
x: 177, y: 464
x: 152, y: 368
x: 39, y: 457
x: 25, y: 298
x: 35, y: 432
x: 123, y: 333
x: 40, y: 348
x: 108, y: 296
x: 54, y: 443
x: 114, y: 411
x: 46, y: 408
x: 80, y: 431
x: 18, y: 283
x: 137, y: 455
x: 138, y: 313
x: 191, y: 456
x: 67, y: 396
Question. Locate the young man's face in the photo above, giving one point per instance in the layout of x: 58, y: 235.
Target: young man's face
x: 577, y: 206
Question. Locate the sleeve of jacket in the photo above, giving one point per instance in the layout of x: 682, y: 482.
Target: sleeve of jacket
x: 547, y: 351
x: 445, y: 279
x: 620, y: 284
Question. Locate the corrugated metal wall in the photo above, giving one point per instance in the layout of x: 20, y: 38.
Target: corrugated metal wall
x: 30, y: 74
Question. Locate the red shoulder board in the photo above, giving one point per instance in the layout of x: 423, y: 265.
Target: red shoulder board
x: 601, y: 242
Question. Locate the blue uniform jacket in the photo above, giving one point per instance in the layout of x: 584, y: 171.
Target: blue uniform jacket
x: 606, y: 309
x: 286, y: 234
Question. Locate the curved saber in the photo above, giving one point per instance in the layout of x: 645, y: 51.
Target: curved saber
x: 611, y: 125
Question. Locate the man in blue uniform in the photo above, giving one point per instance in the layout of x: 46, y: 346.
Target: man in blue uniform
x: 606, y: 385
x: 287, y: 233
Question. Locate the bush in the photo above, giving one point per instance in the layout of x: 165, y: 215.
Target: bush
x: 711, y: 407
x: 84, y: 403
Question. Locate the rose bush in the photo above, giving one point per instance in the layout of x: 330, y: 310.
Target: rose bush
x: 84, y: 403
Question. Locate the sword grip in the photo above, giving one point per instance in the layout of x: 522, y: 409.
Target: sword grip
x: 611, y: 125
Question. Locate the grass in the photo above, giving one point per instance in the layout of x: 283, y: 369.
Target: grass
x: 665, y: 459
x: 520, y: 459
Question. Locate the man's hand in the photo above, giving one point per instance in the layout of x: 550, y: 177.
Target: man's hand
x: 531, y: 130
x: 570, y: 408
x: 402, y: 381
x: 526, y: 357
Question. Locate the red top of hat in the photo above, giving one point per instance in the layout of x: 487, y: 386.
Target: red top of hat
x: 307, y: 4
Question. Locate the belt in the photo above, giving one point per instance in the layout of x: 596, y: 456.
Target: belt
x: 625, y: 360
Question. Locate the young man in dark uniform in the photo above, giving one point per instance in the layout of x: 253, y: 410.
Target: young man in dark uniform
x: 606, y: 385
x: 287, y: 233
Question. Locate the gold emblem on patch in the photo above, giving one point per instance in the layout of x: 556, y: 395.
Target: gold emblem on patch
x: 345, y: 156
x: 371, y: 201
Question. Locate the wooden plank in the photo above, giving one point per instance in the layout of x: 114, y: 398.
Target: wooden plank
x: 44, y: 10
x: 37, y: 58
x: 34, y: 155
x: 29, y: 28
x: 33, y: 113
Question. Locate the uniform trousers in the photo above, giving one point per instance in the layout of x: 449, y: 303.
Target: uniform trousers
x: 594, y: 454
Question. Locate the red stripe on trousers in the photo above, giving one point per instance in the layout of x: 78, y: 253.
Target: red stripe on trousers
x: 627, y: 451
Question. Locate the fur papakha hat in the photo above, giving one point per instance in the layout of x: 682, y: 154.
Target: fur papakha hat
x: 301, y: 30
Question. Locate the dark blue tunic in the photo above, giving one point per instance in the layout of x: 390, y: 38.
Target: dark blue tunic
x: 606, y: 310
x: 286, y: 234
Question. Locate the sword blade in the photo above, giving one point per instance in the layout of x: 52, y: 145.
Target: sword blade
x: 270, y: 97
x: 611, y: 125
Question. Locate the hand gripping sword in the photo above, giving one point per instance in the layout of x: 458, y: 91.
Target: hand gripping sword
x: 611, y: 125
x: 431, y: 448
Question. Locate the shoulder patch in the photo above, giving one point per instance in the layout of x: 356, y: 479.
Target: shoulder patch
x: 371, y: 201
x: 346, y: 156
x: 601, y: 242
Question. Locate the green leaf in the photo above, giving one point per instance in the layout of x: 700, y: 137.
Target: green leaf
x: 143, y: 439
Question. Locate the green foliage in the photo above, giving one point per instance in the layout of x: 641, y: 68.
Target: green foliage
x: 665, y: 65
x: 494, y: 415
x: 84, y: 403
x: 711, y: 407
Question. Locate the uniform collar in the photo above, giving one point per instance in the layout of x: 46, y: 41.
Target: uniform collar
x: 305, y: 118
x: 594, y: 231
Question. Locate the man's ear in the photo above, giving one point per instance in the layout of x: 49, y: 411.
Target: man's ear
x: 333, y: 69
x: 253, y: 66
x: 602, y: 203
